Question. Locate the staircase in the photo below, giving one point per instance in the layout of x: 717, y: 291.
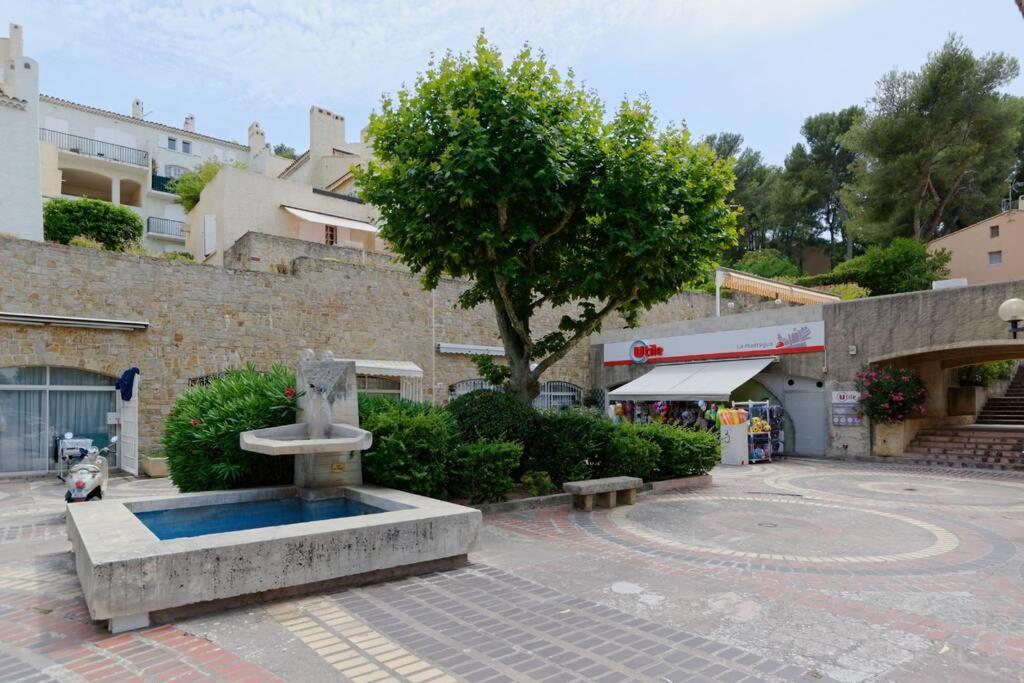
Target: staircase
x: 974, y: 447
x: 1008, y: 409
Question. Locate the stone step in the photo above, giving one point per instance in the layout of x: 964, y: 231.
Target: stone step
x: 954, y: 438
x: 928, y: 460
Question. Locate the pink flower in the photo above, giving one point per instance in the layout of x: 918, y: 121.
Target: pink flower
x: 289, y: 392
x: 196, y: 422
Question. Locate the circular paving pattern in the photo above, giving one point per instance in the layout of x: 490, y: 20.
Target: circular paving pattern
x: 916, y: 490
x: 789, y: 529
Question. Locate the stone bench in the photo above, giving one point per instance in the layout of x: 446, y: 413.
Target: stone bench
x: 610, y: 492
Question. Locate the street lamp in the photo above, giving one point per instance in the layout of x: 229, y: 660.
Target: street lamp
x: 1012, y: 311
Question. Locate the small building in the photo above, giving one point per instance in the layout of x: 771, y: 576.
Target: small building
x: 991, y: 250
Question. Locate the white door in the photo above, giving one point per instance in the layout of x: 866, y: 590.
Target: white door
x: 128, y: 443
x: 807, y: 411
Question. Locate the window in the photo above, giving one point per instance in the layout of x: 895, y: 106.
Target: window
x: 172, y: 171
x: 995, y: 258
x: 368, y: 384
x: 186, y: 146
x: 172, y: 143
x: 330, y: 235
x: 993, y: 231
x: 39, y: 403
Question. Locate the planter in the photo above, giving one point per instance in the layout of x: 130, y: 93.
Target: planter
x: 154, y: 467
x: 889, y: 439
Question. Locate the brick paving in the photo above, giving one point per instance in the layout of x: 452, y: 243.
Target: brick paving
x: 803, y: 570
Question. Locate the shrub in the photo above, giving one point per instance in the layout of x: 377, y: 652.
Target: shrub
x: 485, y: 414
x: 905, y: 265
x: 410, y: 448
x: 847, y: 291
x: 86, y: 243
x: 568, y: 445
x: 891, y: 395
x: 538, y: 483
x: 766, y: 263
x: 115, y: 227
x: 628, y: 455
x: 684, y: 452
x: 189, y: 185
x: 372, y: 404
x: 201, y: 434
x: 482, y: 471
x: 983, y: 375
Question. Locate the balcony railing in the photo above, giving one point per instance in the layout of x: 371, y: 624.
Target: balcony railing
x: 95, y: 148
x: 165, y: 227
x: 162, y: 183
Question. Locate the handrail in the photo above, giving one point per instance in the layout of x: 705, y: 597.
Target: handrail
x: 95, y: 148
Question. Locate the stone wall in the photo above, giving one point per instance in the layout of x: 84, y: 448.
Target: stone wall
x: 205, y: 319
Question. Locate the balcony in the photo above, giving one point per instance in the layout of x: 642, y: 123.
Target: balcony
x: 95, y: 148
x: 166, y: 228
x: 162, y: 183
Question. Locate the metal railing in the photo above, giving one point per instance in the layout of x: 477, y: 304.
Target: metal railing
x: 161, y: 183
x: 165, y: 227
x: 95, y: 148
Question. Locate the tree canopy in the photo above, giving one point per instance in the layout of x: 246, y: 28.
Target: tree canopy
x: 511, y: 176
x: 937, y: 146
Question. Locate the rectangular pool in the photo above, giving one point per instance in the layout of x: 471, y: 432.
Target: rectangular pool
x: 216, y: 519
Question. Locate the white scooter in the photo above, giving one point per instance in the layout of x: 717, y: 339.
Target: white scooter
x: 87, y: 479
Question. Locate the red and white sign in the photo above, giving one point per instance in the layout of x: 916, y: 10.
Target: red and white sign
x: 751, y: 343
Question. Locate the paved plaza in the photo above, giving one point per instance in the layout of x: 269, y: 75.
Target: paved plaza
x: 800, y: 570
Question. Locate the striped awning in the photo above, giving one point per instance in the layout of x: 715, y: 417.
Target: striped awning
x: 762, y: 286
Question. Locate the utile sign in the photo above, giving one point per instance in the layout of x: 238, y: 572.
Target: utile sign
x: 758, y: 341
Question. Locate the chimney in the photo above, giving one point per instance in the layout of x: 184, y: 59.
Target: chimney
x: 15, y: 41
x: 190, y: 124
x: 136, y: 108
x: 257, y: 140
x: 326, y: 132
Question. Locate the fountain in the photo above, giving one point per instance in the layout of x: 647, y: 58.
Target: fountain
x: 147, y: 560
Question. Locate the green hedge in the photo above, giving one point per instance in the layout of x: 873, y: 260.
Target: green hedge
x: 485, y: 414
x: 568, y: 446
x: 201, y: 433
x: 682, y: 452
x: 628, y: 455
x: 482, y: 471
x: 115, y: 227
x: 410, y: 448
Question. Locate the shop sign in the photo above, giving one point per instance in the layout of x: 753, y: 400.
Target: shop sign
x: 641, y: 351
x: 750, y: 343
x: 845, y: 409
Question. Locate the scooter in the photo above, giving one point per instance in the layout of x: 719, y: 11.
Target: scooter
x: 87, y: 479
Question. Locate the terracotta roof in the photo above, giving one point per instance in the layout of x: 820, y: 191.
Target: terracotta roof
x: 122, y: 117
x: 10, y: 101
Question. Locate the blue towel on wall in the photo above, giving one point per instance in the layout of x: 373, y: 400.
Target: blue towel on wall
x: 125, y: 384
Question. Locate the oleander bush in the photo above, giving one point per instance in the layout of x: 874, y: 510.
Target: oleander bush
x: 482, y: 471
x: 201, y: 433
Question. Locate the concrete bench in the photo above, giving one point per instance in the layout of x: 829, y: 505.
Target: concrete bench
x: 610, y: 492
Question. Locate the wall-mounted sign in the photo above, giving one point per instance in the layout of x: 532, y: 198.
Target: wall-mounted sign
x: 641, y: 352
x: 845, y: 407
x: 758, y: 341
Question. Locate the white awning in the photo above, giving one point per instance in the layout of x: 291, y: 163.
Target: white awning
x: 387, y: 368
x: 691, y: 381
x: 328, y: 219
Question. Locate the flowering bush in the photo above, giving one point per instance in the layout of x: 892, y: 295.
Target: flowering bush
x: 890, y: 395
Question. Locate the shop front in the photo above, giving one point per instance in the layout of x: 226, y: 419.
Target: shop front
x: 687, y: 379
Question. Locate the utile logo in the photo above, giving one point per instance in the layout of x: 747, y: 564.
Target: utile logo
x: 640, y: 351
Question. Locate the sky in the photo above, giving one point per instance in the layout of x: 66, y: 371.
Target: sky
x: 756, y: 67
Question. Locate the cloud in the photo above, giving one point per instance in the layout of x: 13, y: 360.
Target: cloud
x: 267, y: 51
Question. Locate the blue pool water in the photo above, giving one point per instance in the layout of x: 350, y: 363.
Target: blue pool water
x: 215, y: 519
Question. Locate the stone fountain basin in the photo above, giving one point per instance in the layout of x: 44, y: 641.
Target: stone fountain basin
x: 294, y: 439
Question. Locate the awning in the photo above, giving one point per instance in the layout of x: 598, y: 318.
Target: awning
x: 387, y: 368
x: 328, y: 219
x: 752, y: 284
x: 691, y: 381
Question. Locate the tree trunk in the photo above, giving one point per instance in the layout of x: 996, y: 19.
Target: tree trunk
x: 521, y: 381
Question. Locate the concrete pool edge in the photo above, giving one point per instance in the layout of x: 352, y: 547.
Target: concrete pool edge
x: 126, y: 572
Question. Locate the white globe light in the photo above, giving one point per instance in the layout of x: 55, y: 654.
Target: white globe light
x: 1011, y: 309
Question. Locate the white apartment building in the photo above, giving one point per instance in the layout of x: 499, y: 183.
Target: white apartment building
x: 51, y: 147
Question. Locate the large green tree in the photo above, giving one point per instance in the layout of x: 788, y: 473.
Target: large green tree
x: 821, y: 167
x: 936, y: 146
x: 751, y: 192
x: 509, y: 175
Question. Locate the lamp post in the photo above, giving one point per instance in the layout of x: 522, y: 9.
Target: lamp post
x: 1012, y: 311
